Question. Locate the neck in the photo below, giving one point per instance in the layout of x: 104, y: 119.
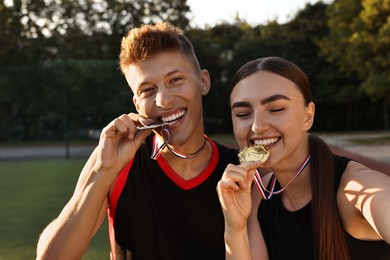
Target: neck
x: 298, y: 193
x: 297, y: 188
x: 190, y: 168
x: 286, y: 168
x: 188, y: 161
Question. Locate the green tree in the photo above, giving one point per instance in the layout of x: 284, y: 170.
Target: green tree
x: 59, y: 57
x: 359, y: 43
x: 214, y: 47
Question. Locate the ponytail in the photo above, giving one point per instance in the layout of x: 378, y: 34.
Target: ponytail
x: 328, y: 232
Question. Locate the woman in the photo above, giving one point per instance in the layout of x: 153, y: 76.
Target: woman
x: 315, y: 205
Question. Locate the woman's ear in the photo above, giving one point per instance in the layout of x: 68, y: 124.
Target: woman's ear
x: 205, y: 78
x: 309, y: 117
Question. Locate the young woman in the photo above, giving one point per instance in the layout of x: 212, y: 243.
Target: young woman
x: 315, y: 205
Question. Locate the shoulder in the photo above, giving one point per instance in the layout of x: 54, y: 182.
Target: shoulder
x: 358, y: 174
x: 226, y: 153
x: 358, y: 183
x: 362, y: 193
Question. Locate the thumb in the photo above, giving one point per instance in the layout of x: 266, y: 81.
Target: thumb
x: 140, y: 136
x: 251, y: 176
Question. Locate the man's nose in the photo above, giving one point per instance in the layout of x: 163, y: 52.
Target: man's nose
x: 164, y: 97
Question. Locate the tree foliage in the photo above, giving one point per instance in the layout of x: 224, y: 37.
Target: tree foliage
x: 359, y: 43
x: 59, y: 68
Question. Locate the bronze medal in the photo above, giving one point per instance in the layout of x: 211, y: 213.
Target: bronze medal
x: 253, y: 153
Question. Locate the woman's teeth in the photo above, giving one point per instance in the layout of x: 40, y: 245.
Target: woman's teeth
x: 266, y: 141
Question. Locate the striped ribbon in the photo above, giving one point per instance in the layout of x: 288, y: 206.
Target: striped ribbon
x: 266, y: 194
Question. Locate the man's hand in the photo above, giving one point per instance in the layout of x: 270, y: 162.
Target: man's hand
x: 119, y: 142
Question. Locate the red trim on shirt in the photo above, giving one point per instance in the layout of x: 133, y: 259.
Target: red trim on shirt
x: 177, y: 179
x: 116, y: 192
x: 191, y: 183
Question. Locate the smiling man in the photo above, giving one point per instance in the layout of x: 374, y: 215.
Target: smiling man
x: 157, y: 183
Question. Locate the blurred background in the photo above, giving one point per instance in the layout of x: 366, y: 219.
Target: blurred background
x: 60, y: 82
x: 59, y: 74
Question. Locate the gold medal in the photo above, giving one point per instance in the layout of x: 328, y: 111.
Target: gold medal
x: 253, y: 153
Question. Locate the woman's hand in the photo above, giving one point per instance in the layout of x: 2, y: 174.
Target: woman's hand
x: 234, y: 191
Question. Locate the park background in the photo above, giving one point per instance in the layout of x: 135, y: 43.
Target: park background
x: 60, y: 84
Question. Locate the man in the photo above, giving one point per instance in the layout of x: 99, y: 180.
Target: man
x: 160, y: 188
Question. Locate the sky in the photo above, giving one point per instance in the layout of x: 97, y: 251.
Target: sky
x: 210, y: 12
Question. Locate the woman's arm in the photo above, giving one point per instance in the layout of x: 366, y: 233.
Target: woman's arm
x: 364, y: 202
x: 256, y: 239
x: 234, y: 192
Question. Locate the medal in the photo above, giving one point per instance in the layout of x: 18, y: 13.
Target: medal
x: 253, y: 153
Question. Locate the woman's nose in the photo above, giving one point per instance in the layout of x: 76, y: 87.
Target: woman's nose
x: 260, y: 123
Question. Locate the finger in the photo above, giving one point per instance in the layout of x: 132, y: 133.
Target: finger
x: 251, y: 165
x: 122, y: 125
x: 224, y: 194
x: 133, y: 133
x: 237, y: 174
x: 129, y: 124
x: 141, y: 119
x: 228, y: 184
x: 109, y: 131
x: 140, y: 137
x: 251, y: 169
x: 221, y: 195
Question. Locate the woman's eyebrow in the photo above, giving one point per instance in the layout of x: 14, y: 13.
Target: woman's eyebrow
x: 264, y: 101
x: 240, y: 104
x: 273, y: 98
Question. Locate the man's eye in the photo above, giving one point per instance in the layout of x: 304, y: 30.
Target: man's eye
x: 175, y: 80
x: 146, y: 92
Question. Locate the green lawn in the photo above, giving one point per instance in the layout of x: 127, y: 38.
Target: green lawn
x: 32, y: 193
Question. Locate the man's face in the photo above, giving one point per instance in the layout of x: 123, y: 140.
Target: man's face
x: 168, y: 88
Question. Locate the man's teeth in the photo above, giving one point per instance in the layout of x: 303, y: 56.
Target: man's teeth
x: 266, y: 141
x: 173, y: 117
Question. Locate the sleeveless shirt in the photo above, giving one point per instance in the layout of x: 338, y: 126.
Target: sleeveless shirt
x: 288, y: 234
x: 155, y: 214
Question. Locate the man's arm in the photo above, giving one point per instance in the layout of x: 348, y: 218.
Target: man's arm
x: 69, y: 235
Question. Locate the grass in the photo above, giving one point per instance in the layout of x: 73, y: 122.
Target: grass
x: 32, y: 193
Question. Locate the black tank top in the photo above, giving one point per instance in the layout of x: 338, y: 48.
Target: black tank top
x: 288, y: 234
x: 155, y: 214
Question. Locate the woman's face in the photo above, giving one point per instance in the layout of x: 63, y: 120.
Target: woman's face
x: 268, y: 109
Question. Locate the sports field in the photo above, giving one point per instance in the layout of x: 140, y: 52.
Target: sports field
x: 32, y: 193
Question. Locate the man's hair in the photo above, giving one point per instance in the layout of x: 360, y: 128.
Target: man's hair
x: 143, y: 42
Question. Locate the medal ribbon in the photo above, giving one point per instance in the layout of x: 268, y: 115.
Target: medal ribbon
x: 158, y: 150
x: 266, y: 194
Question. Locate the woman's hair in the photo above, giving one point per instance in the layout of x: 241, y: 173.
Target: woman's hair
x: 148, y: 40
x: 328, y: 232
